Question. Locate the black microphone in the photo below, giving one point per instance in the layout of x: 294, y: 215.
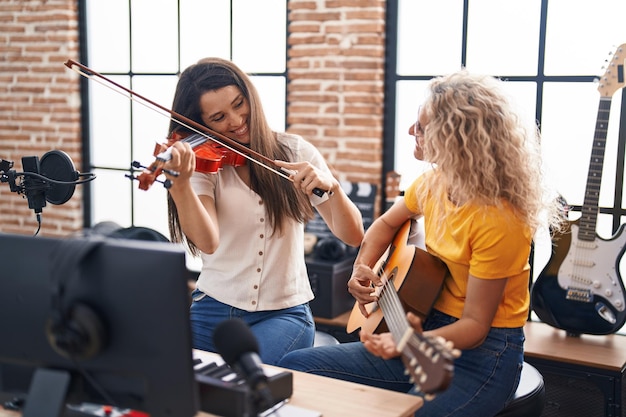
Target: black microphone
x: 34, y: 187
x: 51, y: 179
x: 239, y: 348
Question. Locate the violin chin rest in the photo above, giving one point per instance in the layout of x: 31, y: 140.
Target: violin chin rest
x: 310, y: 240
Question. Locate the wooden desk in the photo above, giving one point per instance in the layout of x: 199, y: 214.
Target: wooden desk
x: 584, y: 375
x: 335, y: 398
x: 604, y: 352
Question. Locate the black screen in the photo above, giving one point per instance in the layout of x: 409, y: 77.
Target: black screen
x: 138, y: 291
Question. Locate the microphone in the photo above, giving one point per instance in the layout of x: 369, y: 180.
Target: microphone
x: 239, y: 348
x: 51, y: 179
x: 34, y: 188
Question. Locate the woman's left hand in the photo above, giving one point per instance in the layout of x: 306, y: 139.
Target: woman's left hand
x: 183, y: 161
x: 381, y: 344
x: 307, y: 177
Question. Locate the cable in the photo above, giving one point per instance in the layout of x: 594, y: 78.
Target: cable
x: 43, y: 177
x: 92, y: 381
x: 38, y: 224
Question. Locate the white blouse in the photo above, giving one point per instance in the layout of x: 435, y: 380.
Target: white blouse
x: 251, y: 269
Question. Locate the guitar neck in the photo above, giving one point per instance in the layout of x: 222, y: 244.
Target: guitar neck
x: 394, y: 313
x: 589, y: 218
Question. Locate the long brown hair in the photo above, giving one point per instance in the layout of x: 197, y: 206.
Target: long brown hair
x: 282, y: 200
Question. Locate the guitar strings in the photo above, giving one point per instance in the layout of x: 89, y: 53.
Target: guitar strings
x: 393, y: 310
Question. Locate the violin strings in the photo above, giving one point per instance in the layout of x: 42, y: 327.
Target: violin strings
x: 150, y: 106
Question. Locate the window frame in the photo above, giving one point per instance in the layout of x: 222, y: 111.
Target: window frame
x: 85, y: 111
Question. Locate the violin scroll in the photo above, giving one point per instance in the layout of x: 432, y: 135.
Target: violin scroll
x: 150, y: 175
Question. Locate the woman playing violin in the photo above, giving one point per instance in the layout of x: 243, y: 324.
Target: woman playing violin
x: 246, y: 222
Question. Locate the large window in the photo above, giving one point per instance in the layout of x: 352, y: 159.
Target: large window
x: 144, y: 45
x: 550, y: 51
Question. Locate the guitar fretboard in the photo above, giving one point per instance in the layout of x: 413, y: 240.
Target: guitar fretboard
x: 589, y: 218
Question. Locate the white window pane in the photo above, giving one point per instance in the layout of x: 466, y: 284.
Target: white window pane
x: 623, y: 191
x: 109, y: 50
x: 204, y: 30
x: 604, y: 227
x: 111, y: 192
x: 581, y: 34
x: 154, y: 35
x: 150, y: 126
x: 409, y: 97
x: 429, y: 36
x: 259, y: 45
x: 503, y: 36
x: 151, y: 208
x: 110, y: 124
x: 568, y: 127
x: 523, y: 99
x: 272, y: 92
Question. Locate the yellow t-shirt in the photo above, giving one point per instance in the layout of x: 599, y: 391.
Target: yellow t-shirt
x: 486, y: 241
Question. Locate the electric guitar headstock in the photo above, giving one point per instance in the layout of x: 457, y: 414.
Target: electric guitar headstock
x: 613, y: 78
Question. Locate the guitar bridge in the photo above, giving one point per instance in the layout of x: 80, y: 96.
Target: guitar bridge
x: 579, y: 294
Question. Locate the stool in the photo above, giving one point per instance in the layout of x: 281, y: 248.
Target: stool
x: 529, y: 397
x: 323, y: 339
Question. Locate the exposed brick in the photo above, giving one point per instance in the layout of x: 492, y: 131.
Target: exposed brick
x: 38, y: 36
x: 335, y: 92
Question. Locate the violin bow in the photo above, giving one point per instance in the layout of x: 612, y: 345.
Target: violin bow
x: 184, y: 121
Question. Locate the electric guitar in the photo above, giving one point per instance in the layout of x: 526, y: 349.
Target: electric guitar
x: 580, y: 290
x: 413, y: 280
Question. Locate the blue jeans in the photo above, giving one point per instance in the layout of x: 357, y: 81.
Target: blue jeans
x: 485, y: 378
x: 277, y: 331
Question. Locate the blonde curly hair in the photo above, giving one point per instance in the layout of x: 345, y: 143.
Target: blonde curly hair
x: 481, y: 151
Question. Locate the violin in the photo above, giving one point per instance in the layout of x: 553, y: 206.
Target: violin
x: 219, y: 150
x: 210, y: 158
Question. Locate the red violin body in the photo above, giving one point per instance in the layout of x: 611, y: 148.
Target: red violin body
x: 211, y: 156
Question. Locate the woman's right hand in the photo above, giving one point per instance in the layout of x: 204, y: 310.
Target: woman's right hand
x: 362, y: 285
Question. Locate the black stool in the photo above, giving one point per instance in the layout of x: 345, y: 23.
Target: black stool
x: 530, y: 395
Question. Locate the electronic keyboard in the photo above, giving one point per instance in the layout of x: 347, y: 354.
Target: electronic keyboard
x: 223, y: 391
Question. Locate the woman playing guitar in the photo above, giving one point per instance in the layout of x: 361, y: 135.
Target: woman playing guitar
x: 481, y: 204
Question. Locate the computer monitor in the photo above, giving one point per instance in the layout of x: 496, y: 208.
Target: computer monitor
x: 95, y: 320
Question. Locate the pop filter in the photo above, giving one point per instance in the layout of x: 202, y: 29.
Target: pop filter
x: 57, y: 165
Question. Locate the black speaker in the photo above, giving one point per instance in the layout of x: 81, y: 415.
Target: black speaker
x: 573, y: 391
x: 567, y: 396
x: 74, y: 329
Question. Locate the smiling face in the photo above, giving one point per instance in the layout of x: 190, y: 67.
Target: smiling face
x: 227, y: 111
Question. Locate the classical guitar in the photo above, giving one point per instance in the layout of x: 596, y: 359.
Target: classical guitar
x: 413, y: 280
x: 580, y: 290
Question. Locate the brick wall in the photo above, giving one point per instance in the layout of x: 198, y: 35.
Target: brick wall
x: 335, y: 92
x: 39, y: 104
x: 336, y: 82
